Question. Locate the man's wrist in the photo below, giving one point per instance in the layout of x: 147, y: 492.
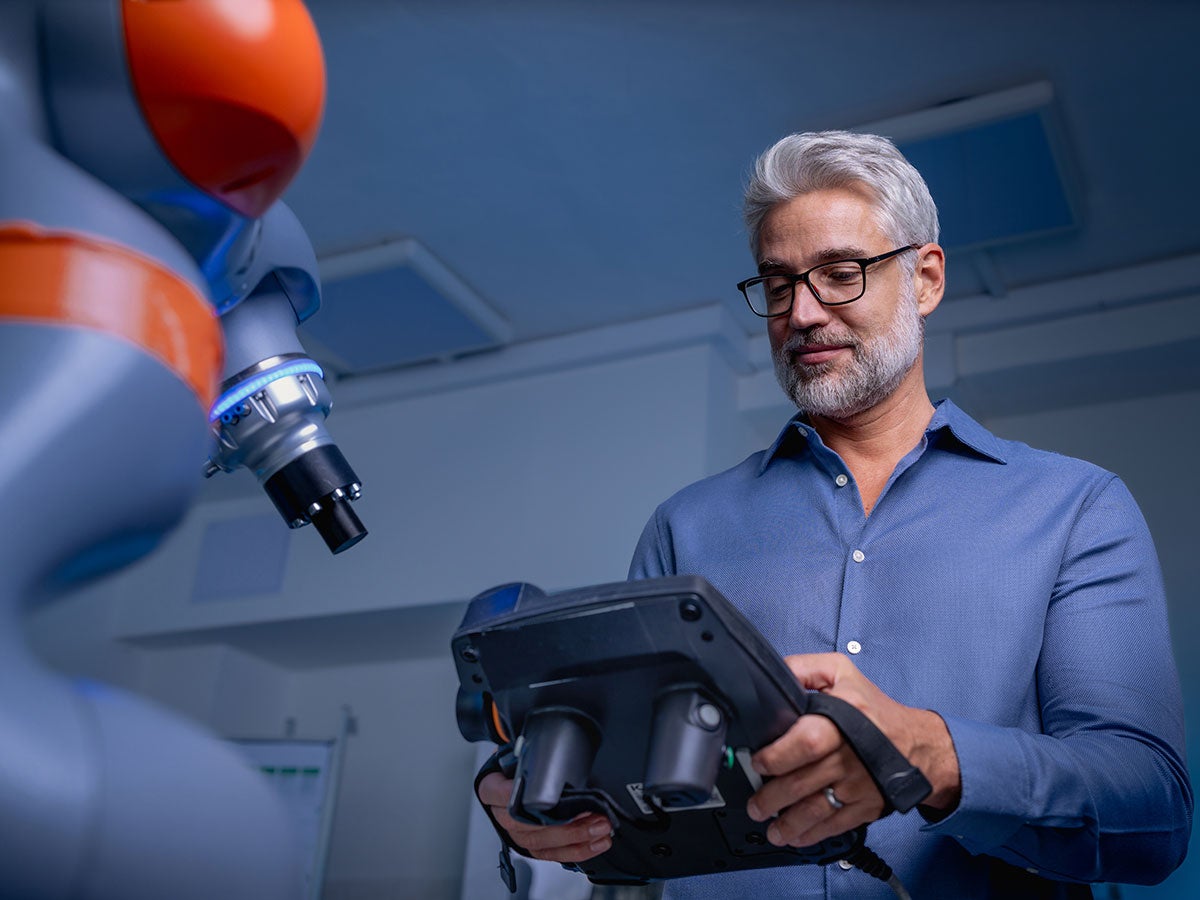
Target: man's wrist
x: 933, y: 753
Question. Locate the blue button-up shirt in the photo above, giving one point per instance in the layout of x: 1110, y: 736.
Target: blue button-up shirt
x: 1015, y: 592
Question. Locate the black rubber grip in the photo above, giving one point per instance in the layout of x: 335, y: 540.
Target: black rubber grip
x: 902, y: 784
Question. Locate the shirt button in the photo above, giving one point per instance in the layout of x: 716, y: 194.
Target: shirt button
x: 853, y: 647
x: 803, y: 432
x: 858, y: 556
x: 845, y: 864
x: 841, y: 481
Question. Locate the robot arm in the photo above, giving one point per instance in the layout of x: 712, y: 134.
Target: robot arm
x: 143, y: 147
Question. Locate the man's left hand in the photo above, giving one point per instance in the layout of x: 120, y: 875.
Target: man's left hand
x: 812, y: 757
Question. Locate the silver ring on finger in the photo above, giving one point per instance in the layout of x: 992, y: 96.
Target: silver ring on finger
x: 833, y: 798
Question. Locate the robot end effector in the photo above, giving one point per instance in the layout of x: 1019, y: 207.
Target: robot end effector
x: 274, y: 427
x: 269, y: 415
x: 269, y: 419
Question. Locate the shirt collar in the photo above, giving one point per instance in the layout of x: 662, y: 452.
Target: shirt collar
x: 947, y: 417
x: 788, y: 436
x: 967, y: 431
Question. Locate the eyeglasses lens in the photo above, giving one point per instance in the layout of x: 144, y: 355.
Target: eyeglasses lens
x: 835, y: 282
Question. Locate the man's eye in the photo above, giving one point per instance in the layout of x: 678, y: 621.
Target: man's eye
x: 841, y: 274
x: 777, y: 288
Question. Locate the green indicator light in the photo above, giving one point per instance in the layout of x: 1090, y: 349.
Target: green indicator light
x: 729, y: 757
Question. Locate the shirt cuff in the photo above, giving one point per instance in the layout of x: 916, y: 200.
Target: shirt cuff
x: 990, y: 763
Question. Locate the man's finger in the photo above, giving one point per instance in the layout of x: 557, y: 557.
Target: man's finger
x: 574, y: 853
x: 494, y: 789
x: 583, y: 830
x: 816, y: 671
x: 811, y: 738
x: 813, y: 820
x: 779, y: 793
x: 585, y: 836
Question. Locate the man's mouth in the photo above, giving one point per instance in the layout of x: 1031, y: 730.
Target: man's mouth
x: 816, y: 354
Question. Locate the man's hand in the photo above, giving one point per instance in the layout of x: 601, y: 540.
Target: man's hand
x: 812, y: 756
x: 585, y: 836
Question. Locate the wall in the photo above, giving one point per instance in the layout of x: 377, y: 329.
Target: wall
x: 400, y: 817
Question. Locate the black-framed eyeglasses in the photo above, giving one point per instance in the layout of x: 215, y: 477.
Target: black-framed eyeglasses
x: 833, y: 284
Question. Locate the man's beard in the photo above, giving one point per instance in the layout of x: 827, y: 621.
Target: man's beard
x: 877, y: 365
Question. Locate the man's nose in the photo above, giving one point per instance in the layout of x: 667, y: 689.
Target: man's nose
x: 807, y: 311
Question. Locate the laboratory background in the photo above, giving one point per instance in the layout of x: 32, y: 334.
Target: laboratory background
x: 526, y: 219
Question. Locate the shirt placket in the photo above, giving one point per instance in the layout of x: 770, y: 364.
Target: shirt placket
x: 842, y: 881
x: 859, y: 579
x: 852, y: 525
x: 855, y: 549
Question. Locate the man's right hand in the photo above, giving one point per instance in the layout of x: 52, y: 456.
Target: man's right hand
x: 585, y: 836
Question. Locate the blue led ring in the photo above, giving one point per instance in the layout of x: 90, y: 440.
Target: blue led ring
x: 252, y: 386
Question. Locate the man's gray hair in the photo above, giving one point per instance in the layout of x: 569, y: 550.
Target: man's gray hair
x: 813, y: 161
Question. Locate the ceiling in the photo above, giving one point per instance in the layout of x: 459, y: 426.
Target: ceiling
x: 576, y: 164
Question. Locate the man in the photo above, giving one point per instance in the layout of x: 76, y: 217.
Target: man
x: 996, y: 610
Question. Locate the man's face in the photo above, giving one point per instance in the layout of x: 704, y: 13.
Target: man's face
x: 839, y: 361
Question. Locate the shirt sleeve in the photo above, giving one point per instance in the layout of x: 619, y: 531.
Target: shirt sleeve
x: 653, y: 556
x: 1103, y: 793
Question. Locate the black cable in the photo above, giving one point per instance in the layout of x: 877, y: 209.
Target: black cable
x: 863, y: 857
x: 866, y: 859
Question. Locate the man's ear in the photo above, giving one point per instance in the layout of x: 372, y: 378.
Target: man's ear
x: 930, y: 277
